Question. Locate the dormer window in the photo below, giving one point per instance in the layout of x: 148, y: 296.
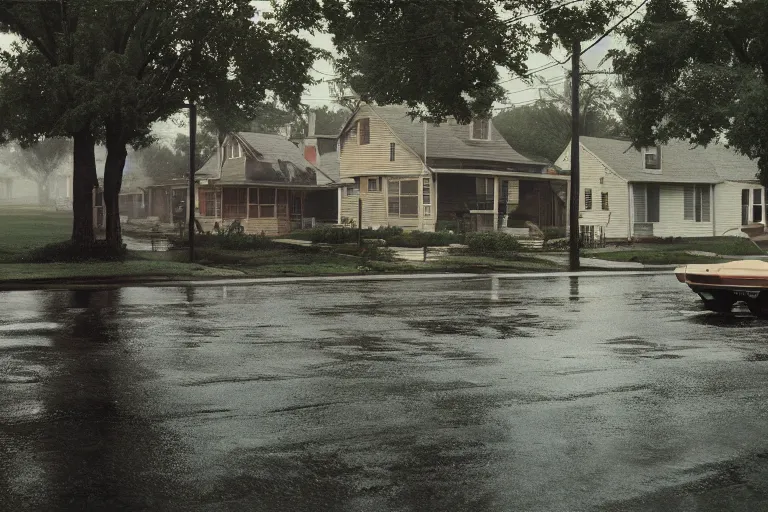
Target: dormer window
x: 652, y: 158
x: 480, y: 129
x: 235, y: 151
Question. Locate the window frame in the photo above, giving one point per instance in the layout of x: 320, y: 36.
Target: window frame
x: 483, y: 191
x: 259, y: 203
x: 237, y: 191
x: 376, y: 185
x: 646, y: 187
x: 693, y: 200
x: 748, y: 208
x: 399, y: 195
x: 656, y: 151
x: 604, y: 205
x: 588, y: 199
x: 391, y: 151
x: 488, y: 131
x: 426, y: 196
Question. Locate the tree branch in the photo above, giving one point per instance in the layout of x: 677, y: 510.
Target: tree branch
x: 17, y: 26
x: 131, y: 27
x: 738, y: 49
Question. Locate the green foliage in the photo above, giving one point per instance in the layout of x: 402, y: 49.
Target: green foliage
x: 552, y: 233
x: 69, y: 252
x: 393, y: 236
x: 232, y: 241
x: 443, y: 59
x: 491, y: 243
x: 697, y: 72
x: 543, y: 129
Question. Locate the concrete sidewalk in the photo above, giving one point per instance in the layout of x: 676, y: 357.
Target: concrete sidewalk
x: 602, y: 264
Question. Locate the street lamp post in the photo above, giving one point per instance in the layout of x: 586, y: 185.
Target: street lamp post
x: 192, y: 161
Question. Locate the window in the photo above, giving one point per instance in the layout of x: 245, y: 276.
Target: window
x: 261, y: 202
x: 235, y: 150
x: 353, y: 190
x: 652, y: 158
x: 235, y: 203
x: 484, y: 191
x: 391, y: 151
x: 757, y: 205
x: 373, y: 184
x: 210, y: 204
x: 426, y: 198
x: 696, y: 203
x: 646, y: 202
x: 751, y: 206
x: 480, y: 129
x: 403, y: 198
x: 604, y: 200
x: 364, y: 129
x: 587, y: 198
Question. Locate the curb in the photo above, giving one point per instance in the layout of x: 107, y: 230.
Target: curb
x: 162, y: 281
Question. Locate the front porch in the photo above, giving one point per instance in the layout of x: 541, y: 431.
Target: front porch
x: 273, y: 211
x: 488, y: 201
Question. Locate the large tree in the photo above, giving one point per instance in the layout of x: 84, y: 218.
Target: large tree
x: 40, y: 161
x: 442, y: 57
x: 147, y: 60
x: 543, y: 129
x: 698, y: 72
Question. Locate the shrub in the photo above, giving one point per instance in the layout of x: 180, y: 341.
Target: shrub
x: 229, y: 240
x: 69, y: 252
x: 492, y: 242
x: 554, y: 233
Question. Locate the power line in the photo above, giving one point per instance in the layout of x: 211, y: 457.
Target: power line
x: 543, y: 11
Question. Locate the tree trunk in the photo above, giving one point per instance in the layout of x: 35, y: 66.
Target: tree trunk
x: 113, y: 179
x: 83, y: 181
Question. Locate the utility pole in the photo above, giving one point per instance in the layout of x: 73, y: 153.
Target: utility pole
x: 192, y: 162
x: 574, y: 192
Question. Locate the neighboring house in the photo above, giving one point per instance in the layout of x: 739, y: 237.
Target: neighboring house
x: 321, y: 151
x: 675, y: 190
x: 420, y: 176
x: 265, y: 182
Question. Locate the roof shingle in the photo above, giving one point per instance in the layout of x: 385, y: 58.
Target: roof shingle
x: 449, y: 140
x: 680, y: 162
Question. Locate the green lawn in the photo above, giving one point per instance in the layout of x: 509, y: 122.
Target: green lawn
x: 724, y: 246
x: 25, y: 228
x: 656, y: 257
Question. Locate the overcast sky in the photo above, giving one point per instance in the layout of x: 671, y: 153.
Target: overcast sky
x: 318, y: 95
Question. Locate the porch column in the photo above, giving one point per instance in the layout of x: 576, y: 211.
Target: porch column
x: 434, y: 201
x: 496, y: 186
x: 338, y: 211
x: 248, y: 202
x: 567, y: 206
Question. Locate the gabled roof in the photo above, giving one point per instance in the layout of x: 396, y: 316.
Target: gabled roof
x: 449, y: 140
x: 680, y: 162
x: 269, y: 159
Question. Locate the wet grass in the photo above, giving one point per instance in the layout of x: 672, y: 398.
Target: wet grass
x: 656, y: 257
x: 26, y: 228
x: 11, y: 272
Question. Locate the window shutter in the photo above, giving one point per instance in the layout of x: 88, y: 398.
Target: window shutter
x: 688, y: 193
x: 638, y: 195
x: 604, y: 200
x: 705, y: 201
x: 587, y: 198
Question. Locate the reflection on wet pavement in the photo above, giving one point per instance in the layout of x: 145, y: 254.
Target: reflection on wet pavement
x: 570, y: 393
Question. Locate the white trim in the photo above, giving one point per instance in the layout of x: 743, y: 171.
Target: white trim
x: 508, y: 174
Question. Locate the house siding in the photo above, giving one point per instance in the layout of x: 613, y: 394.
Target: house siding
x: 373, y: 159
x: 728, y: 208
x: 671, y: 221
x: 615, y: 220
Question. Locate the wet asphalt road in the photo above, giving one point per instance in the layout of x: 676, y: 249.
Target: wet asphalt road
x: 550, y: 394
